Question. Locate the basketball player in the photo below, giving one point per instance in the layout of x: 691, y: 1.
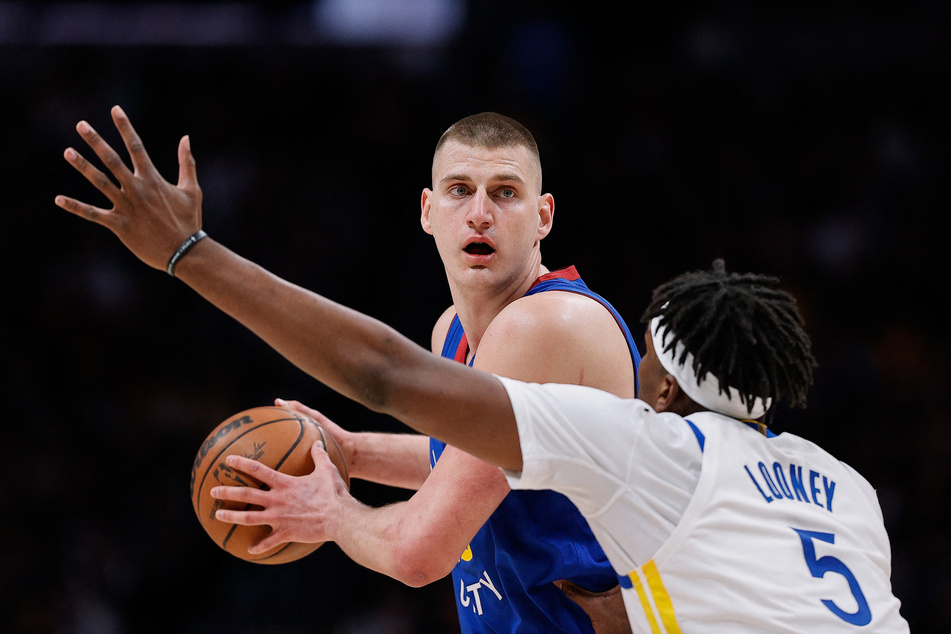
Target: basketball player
x: 712, y: 523
x: 514, y: 556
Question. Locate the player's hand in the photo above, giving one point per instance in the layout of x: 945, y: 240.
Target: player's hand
x: 151, y: 216
x: 606, y: 609
x: 298, y: 509
x: 343, y: 437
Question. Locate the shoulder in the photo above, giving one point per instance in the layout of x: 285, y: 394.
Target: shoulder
x: 558, y: 311
x: 559, y: 337
x: 441, y: 329
x: 557, y: 321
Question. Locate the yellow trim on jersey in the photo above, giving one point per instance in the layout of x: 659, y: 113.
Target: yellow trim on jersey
x: 645, y: 604
x: 761, y: 427
x: 661, y: 598
x: 662, y: 603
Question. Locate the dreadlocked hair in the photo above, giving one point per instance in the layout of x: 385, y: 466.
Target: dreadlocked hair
x: 740, y: 329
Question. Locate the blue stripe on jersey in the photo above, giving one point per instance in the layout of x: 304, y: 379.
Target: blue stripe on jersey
x: 757, y: 426
x: 700, y: 437
x: 453, y: 337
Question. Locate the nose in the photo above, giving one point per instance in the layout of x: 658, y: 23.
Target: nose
x: 480, y: 211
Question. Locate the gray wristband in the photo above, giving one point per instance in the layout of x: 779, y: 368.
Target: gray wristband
x: 182, y: 250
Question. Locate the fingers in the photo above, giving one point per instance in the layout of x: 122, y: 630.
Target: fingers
x: 92, y: 174
x: 266, y: 544
x: 570, y: 589
x: 247, y: 518
x: 319, y: 452
x: 255, y: 469
x: 308, y: 411
x: 243, y: 495
x: 141, y: 162
x: 106, y: 154
x: 187, y: 172
x: 83, y: 210
x: 575, y: 592
x: 300, y: 407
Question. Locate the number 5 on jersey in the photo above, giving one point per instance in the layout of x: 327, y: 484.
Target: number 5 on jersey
x: 819, y: 567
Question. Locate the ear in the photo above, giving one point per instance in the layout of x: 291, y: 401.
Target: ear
x: 546, y: 214
x: 667, y: 394
x: 673, y: 399
x: 425, y: 204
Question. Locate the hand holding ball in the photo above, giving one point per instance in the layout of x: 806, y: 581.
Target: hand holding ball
x: 277, y: 437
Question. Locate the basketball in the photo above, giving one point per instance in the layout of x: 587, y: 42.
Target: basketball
x: 274, y: 436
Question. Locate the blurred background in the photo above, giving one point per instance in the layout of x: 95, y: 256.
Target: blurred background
x: 807, y: 142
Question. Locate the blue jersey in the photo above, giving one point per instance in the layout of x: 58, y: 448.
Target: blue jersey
x: 503, y: 582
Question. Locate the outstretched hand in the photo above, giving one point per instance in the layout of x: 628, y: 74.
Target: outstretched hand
x: 298, y: 509
x: 150, y: 216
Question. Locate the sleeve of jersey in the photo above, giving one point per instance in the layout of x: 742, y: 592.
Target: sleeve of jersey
x: 575, y: 440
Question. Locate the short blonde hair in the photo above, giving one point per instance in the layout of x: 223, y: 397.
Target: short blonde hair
x: 491, y: 130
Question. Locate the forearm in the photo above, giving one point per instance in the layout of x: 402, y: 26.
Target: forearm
x: 342, y: 348
x: 358, y: 356
x: 420, y: 540
x: 393, y: 541
x: 398, y: 460
x: 351, y: 353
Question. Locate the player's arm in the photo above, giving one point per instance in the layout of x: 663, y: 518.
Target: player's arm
x: 421, y: 540
x: 417, y: 541
x: 351, y: 353
x: 400, y: 460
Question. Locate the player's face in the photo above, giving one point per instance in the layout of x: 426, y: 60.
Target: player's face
x: 486, y: 213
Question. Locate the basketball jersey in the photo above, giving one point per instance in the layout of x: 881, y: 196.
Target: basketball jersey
x: 779, y: 536
x: 773, y: 534
x: 503, y: 582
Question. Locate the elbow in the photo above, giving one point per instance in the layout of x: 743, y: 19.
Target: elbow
x: 418, y: 566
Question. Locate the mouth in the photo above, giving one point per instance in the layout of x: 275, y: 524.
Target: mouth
x: 479, y: 248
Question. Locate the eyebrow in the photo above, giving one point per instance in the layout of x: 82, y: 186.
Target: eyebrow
x: 465, y: 178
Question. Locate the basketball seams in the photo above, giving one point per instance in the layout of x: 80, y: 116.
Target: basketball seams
x: 201, y: 487
x: 217, y: 457
x: 221, y: 442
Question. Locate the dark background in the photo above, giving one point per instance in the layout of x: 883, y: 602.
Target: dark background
x: 811, y: 143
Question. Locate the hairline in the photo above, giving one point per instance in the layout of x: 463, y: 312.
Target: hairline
x: 534, y: 159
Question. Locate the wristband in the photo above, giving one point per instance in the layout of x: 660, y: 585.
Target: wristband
x: 182, y: 250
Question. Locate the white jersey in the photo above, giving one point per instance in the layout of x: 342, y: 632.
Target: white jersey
x: 741, y: 533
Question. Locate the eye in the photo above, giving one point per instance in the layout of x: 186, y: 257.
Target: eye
x: 507, y: 193
x: 458, y: 190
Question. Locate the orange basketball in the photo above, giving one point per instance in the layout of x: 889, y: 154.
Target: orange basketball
x: 275, y: 436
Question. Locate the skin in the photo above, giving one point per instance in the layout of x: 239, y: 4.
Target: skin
x: 659, y: 389
x: 484, y: 195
